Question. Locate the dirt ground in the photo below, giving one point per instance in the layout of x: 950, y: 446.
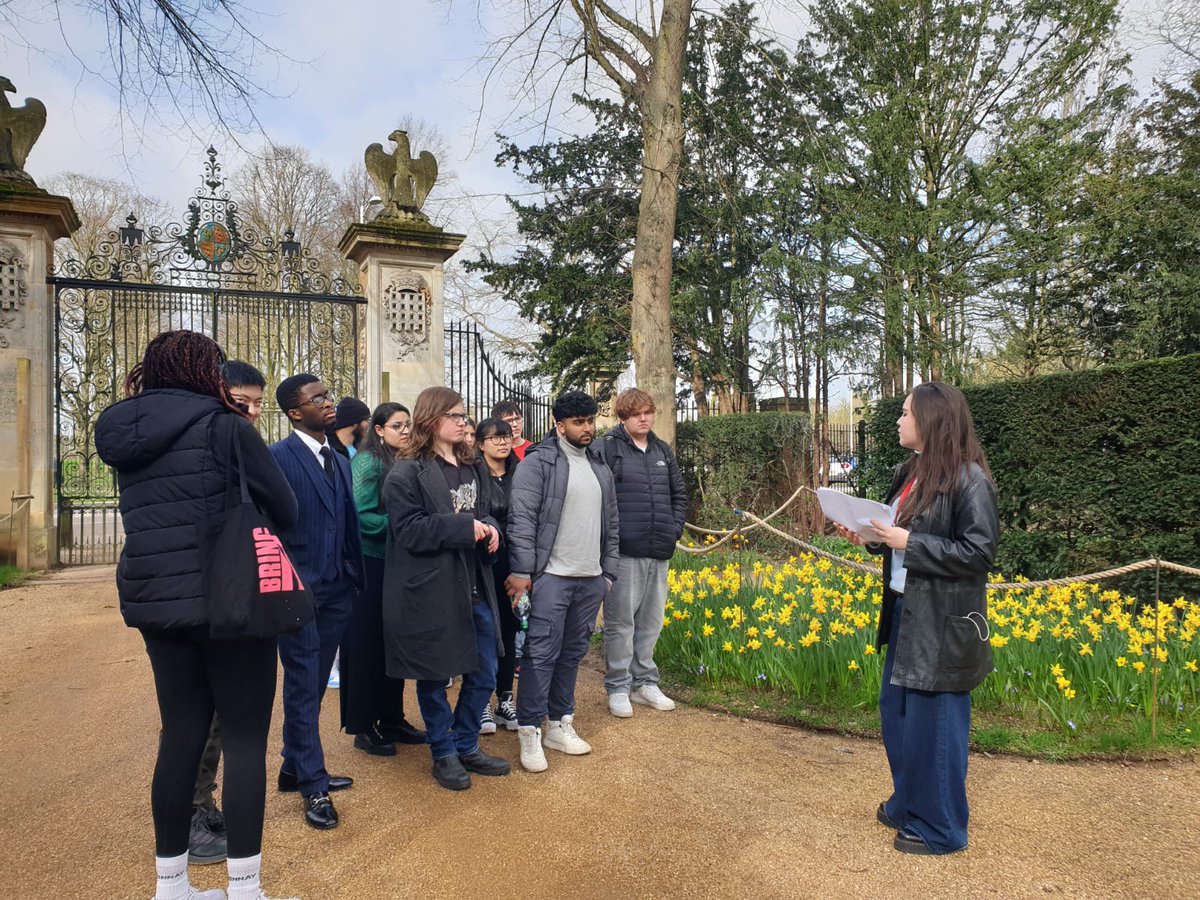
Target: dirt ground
x: 669, y: 805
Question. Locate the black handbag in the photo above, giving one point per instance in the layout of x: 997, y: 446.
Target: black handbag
x: 251, y: 588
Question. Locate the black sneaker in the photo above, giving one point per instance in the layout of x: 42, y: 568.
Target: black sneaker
x: 216, y: 821
x: 204, y: 846
x: 506, y: 711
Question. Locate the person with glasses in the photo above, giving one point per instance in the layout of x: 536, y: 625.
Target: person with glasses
x: 326, y: 549
x: 494, y: 471
x: 372, y: 703
x: 439, y: 599
x: 510, y: 413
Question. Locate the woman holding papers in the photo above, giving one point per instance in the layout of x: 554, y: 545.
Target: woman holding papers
x: 937, y: 550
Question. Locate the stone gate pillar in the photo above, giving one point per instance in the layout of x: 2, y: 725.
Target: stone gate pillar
x: 400, y: 267
x: 30, y: 222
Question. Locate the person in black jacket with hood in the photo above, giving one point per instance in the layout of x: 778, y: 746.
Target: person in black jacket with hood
x: 170, y: 442
x: 652, y: 507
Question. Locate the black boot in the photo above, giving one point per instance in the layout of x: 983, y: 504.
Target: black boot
x: 450, y: 773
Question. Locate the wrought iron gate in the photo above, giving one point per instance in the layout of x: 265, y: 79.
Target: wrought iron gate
x: 266, y: 302
x: 471, y: 371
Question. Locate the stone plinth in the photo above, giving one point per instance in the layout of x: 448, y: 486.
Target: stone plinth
x: 400, y: 267
x: 30, y: 222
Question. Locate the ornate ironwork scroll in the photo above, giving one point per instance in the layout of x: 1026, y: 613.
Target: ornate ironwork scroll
x: 266, y: 303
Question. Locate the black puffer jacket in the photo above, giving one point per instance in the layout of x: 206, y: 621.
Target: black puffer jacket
x: 651, y: 496
x: 942, y: 644
x: 171, y: 452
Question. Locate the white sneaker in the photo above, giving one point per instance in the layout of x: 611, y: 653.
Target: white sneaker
x: 532, y: 757
x: 214, y: 894
x: 561, y: 736
x: 651, y: 696
x: 619, y: 705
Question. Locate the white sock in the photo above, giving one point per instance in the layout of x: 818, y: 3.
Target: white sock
x: 243, y: 877
x: 172, y: 877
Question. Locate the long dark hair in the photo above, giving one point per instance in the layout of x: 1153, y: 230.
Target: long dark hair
x: 947, y: 432
x: 186, y: 361
x: 487, y: 428
x: 372, y: 443
x: 433, y: 403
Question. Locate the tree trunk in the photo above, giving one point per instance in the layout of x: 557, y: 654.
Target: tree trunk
x: 662, y: 143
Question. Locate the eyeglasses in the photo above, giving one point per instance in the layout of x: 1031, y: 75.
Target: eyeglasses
x: 457, y: 418
x: 400, y: 426
x: 498, y: 439
x: 319, y: 401
x: 511, y: 419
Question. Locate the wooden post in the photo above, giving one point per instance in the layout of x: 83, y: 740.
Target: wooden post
x: 1154, y: 662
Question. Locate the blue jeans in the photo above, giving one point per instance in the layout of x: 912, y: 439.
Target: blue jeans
x: 925, y: 735
x: 456, y: 731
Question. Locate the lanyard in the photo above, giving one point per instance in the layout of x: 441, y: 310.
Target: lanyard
x: 903, y: 496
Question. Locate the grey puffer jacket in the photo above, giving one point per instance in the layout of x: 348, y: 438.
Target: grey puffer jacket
x: 535, y: 509
x: 943, y: 639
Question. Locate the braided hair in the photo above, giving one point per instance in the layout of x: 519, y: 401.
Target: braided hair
x: 183, y: 360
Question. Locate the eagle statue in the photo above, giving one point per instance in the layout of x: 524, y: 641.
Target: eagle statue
x: 20, y: 127
x: 402, y: 182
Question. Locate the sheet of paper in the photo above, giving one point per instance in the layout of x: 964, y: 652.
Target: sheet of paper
x: 851, y: 512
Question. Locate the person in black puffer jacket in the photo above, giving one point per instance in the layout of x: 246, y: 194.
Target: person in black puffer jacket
x: 170, y: 444
x: 652, y: 507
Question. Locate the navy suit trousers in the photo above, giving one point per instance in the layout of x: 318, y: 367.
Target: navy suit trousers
x: 307, y: 657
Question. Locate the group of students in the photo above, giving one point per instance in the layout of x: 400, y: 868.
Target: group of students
x: 417, y: 546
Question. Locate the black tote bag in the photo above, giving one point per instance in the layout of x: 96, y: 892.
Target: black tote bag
x: 251, y: 588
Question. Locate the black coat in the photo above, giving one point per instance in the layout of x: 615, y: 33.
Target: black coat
x: 428, y: 625
x: 651, y: 498
x: 171, y: 452
x: 942, y: 643
x: 495, y: 498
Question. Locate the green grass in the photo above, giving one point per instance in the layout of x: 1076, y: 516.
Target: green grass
x: 11, y: 576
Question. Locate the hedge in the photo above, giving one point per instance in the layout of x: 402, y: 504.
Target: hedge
x: 1094, y: 469
x: 750, y: 461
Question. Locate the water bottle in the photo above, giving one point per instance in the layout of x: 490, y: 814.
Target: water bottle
x: 522, y: 611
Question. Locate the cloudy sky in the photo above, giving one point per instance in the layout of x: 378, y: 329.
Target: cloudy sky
x: 346, y: 73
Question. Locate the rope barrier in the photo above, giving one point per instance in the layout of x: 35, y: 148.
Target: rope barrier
x: 756, y: 522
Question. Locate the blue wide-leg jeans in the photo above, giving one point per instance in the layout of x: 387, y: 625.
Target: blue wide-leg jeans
x: 456, y: 731
x: 925, y: 735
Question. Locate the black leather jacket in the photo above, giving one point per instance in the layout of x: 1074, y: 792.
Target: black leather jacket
x: 942, y: 643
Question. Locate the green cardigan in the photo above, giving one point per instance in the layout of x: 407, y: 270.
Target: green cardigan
x: 372, y: 517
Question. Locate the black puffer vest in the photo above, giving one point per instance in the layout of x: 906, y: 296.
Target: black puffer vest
x: 159, y: 442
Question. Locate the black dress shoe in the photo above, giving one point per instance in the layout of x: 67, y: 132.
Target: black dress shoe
x: 910, y: 842
x: 289, y: 785
x: 883, y: 817
x: 372, y: 742
x: 482, y: 764
x: 450, y: 773
x: 403, y: 733
x: 319, y: 811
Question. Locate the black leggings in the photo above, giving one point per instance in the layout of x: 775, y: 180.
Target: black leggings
x: 193, y: 675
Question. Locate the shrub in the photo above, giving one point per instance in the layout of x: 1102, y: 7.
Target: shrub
x: 752, y: 461
x: 1095, y: 469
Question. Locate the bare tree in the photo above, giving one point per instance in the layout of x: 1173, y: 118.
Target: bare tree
x: 641, y: 54
x: 197, y: 58
x: 103, y: 204
x: 1174, y: 25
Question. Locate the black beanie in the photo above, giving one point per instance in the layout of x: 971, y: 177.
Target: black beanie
x: 351, y: 411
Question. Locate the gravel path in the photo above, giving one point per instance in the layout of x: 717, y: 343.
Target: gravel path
x: 670, y: 805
